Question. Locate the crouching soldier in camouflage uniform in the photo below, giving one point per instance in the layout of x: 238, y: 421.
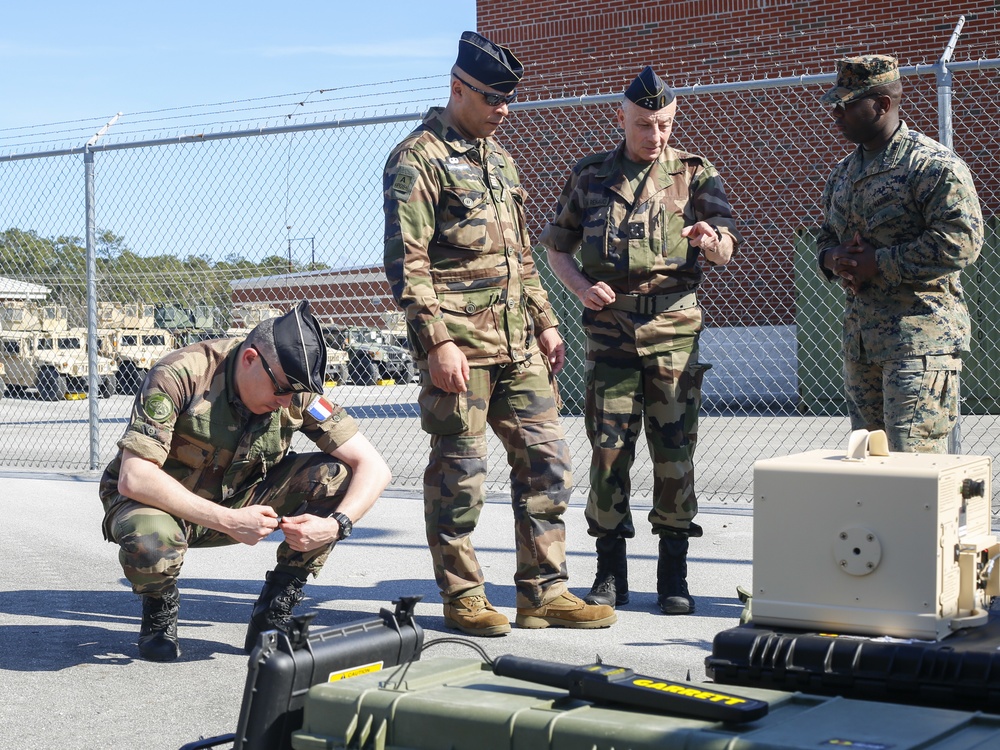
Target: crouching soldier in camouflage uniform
x: 205, y: 461
x: 901, y: 221
x: 640, y: 216
x: 458, y: 259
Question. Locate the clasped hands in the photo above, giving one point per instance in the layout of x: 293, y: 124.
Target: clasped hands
x: 854, y: 263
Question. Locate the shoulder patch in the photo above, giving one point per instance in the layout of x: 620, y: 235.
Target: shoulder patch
x: 158, y: 407
x: 320, y: 409
x: 405, y: 180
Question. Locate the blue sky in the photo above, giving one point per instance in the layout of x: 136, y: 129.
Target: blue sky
x: 67, y: 61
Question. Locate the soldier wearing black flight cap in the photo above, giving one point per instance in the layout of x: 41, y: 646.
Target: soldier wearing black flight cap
x: 205, y: 461
x: 644, y: 218
x: 458, y: 259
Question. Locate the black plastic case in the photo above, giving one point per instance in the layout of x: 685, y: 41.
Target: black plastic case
x: 283, y: 668
x: 960, y: 671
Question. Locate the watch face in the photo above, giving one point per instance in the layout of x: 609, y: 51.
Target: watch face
x: 346, y: 527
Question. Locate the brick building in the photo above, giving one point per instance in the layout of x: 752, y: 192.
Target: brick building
x: 573, y: 49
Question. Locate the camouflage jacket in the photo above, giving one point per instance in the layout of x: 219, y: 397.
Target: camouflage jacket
x: 916, y: 203
x: 188, y: 419
x: 457, y: 252
x: 634, y: 243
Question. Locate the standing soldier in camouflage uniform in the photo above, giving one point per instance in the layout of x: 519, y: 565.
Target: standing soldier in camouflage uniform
x: 901, y: 220
x: 205, y: 461
x: 640, y: 216
x: 458, y: 259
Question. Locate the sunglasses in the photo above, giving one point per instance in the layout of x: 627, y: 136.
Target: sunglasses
x: 841, y: 107
x: 492, y: 99
x: 278, y: 390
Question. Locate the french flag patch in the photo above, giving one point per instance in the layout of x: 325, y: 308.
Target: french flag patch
x: 320, y: 409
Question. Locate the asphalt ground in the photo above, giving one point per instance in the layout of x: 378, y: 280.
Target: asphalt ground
x: 70, y: 676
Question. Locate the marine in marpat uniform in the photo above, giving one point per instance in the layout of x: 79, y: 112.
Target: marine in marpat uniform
x: 458, y: 260
x: 205, y: 461
x: 643, y: 218
x: 901, y: 220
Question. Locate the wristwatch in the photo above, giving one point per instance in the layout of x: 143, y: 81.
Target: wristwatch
x: 346, y: 527
x: 718, y: 232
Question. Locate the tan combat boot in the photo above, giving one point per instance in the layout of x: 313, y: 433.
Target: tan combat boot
x: 474, y: 615
x: 567, y: 611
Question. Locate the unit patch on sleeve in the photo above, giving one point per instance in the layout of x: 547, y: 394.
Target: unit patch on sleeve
x: 402, y: 186
x: 158, y: 407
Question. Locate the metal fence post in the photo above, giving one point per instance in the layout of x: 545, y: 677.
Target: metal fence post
x: 93, y: 375
x: 945, y: 130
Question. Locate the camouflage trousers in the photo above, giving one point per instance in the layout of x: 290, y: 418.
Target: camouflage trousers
x: 661, y: 393
x: 915, y: 400
x: 152, y: 543
x: 518, y: 402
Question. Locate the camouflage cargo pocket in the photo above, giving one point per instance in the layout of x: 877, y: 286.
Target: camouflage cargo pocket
x: 463, y: 217
x: 442, y: 413
x: 694, y: 377
x: 472, y: 320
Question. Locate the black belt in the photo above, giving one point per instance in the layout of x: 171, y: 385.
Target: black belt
x: 654, y: 304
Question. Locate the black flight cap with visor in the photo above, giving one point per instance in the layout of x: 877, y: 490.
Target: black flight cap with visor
x: 298, y: 341
x: 489, y: 63
x: 649, y: 91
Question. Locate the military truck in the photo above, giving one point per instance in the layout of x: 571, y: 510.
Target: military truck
x: 189, y: 325
x: 39, y: 351
x: 52, y: 362
x: 128, y: 334
x: 370, y: 359
x: 134, y: 350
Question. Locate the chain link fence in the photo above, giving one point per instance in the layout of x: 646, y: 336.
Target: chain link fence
x: 202, y: 235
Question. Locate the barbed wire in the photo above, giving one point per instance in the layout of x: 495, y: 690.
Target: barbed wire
x: 579, y: 75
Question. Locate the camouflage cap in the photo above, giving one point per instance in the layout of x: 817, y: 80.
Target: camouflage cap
x: 856, y: 76
x: 649, y: 91
x: 489, y: 63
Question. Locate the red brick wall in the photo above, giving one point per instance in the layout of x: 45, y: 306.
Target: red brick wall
x: 572, y: 49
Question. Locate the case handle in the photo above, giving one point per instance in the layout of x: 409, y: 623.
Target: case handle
x: 862, y: 443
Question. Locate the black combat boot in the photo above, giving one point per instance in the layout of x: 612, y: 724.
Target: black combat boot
x: 671, y: 577
x: 611, y: 582
x: 273, y: 608
x: 158, y: 634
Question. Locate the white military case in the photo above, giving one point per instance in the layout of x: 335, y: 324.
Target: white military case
x: 890, y: 545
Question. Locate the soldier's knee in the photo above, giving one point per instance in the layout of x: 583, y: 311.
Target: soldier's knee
x: 549, y: 462
x: 546, y: 506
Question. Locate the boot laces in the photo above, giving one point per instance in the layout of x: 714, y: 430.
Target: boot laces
x: 283, y: 604
x: 604, y: 584
x: 161, y: 615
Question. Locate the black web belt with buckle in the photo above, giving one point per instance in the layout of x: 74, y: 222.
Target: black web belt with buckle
x: 654, y: 304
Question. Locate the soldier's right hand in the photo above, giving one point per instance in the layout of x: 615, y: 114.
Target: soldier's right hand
x: 449, y: 368
x: 597, y: 296
x: 252, y: 523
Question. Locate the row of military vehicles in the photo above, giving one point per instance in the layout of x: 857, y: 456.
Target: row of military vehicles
x: 41, y: 352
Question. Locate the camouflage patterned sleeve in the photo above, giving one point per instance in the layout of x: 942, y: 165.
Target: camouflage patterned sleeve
x: 539, y: 307
x: 565, y: 232
x: 827, y: 239
x: 154, y: 414
x: 327, y: 424
x: 953, y: 231
x: 710, y: 204
x: 411, y: 191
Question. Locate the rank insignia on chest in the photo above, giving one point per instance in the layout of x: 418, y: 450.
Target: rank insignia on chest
x: 636, y: 230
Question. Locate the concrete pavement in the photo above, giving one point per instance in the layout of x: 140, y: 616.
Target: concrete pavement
x: 69, y: 672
